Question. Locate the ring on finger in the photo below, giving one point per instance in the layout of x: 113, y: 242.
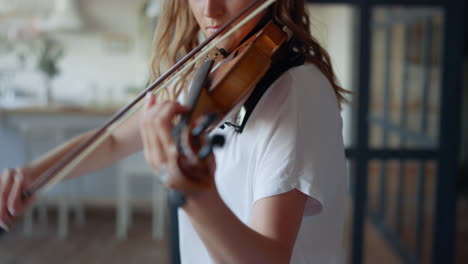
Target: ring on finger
x: 162, y: 174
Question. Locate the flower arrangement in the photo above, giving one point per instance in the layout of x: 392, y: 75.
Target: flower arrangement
x: 50, y: 52
x: 39, y: 51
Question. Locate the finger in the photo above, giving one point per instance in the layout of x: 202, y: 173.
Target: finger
x: 167, y: 143
x: 150, y: 100
x: 4, y: 226
x: 159, y: 127
x: 16, y: 202
x: 151, y: 145
x: 5, y: 188
x: 167, y: 111
x: 187, y: 186
x: 164, y: 112
x: 166, y: 125
x: 197, y: 169
x: 152, y: 148
x: 12, y: 203
x: 157, y: 131
x: 189, y: 179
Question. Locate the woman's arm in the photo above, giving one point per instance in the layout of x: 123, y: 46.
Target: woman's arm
x: 124, y: 141
x: 270, y: 237
x: 276, y: 220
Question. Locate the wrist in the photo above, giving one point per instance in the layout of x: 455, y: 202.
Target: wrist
x: 29, y: 172
x: 201, y: 199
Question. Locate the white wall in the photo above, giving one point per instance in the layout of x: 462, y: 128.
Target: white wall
x: 333, y: 26
x: 88, y: 62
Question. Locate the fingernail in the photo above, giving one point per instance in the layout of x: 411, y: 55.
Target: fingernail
x: 12, y: 211
x: 4, y: 227
x: 19, y: 171
x: 149, y: 95
x: 148, y: 98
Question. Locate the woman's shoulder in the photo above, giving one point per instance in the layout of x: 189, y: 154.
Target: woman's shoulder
x: 302, y: 95
x: 304, y: 86
x: 307, y: 79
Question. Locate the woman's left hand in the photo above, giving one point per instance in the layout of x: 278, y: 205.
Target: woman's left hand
x: 185, y: 173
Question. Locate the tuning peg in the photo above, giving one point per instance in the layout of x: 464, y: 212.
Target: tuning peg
x: 214, y: 141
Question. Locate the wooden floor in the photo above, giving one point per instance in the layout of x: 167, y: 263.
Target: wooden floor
x: 461, y: 254
x: 377, y: 250
x: 95, y: 242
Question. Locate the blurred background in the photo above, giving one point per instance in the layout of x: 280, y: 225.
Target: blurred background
x: 67, y: 65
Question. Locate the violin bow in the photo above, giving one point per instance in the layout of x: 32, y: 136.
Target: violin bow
x: 57, y: 172
x: 63, y: 167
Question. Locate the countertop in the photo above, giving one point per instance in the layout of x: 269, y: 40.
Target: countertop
x: 60, y: 110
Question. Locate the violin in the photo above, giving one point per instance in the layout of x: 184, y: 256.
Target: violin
x: 214, y: 96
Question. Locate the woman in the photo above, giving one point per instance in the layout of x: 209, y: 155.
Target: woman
x: 280, y: 181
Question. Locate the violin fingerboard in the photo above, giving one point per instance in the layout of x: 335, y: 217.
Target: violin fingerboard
x: 198, y: 83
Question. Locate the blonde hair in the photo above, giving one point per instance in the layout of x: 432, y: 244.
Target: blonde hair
x: 177, y: 33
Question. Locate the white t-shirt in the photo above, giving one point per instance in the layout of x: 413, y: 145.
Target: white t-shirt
x: 292, y: 140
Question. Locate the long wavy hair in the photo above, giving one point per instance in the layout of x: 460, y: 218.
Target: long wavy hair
x: 178, y: 32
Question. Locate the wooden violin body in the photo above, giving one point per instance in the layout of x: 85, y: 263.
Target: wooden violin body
x: 216, y: 95
x: 231, y: 83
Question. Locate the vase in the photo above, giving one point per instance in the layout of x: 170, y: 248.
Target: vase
x: 48, y: 93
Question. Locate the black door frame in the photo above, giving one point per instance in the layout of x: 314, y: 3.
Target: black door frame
x: 448, y: 151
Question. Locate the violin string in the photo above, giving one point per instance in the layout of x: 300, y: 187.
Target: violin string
x: 72, y: 165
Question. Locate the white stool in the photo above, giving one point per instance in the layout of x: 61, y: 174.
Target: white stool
x: 126, y: 169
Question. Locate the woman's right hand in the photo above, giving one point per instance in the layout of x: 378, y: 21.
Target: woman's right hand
x: 13, y: 183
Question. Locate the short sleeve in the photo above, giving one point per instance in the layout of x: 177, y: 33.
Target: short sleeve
x: 300, y: 138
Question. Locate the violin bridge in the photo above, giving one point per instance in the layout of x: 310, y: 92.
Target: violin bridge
x: 213, y: 54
